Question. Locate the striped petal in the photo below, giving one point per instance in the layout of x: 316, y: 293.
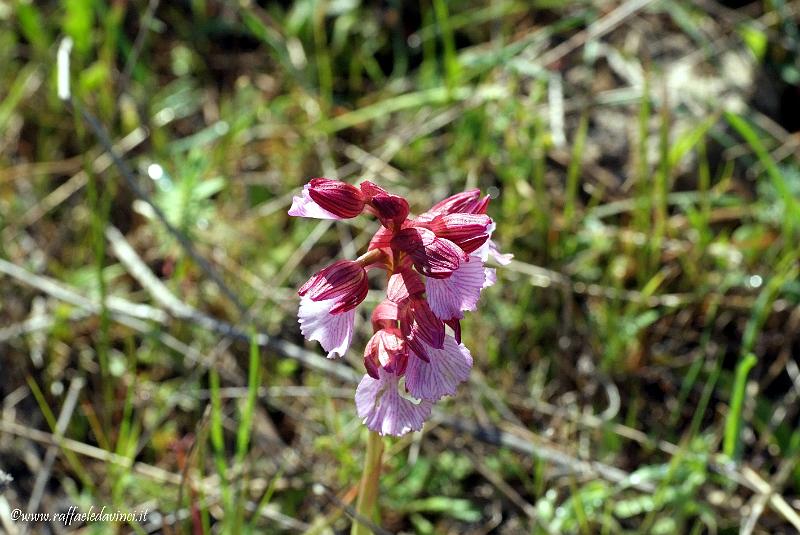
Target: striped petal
x: 448, y: 367
x: 490, y: 277
x: 384, y: 410
x: 448, y: 298
x: 305, y: 206
x: 334, y: 332
x: 489, y: 249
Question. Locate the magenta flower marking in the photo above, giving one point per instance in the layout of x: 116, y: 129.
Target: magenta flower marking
x: 435, y: 269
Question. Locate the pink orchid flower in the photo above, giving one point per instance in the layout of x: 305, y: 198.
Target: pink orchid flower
x: 435, y: 271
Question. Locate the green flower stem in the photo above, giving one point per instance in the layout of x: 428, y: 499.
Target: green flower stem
x: 368, y: 488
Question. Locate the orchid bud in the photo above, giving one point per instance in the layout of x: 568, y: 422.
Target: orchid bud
x: 343, y: 200
x: 464, y: 202
x: 392, y: 210
x: 385, y: 314
x: 386, y: 349
x: 370, y: 189
x: 468, y: 231
x: 403, y: 285
x: 345, y: 281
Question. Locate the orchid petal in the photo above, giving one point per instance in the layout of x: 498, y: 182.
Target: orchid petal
x: 448, y: 367
x: 334, y: 332
x: 433, y: 256
x: 497, y: 256
x: 304, y: 206
x: 449, y: 297
x: 490, y: 277
x: 384, y: 410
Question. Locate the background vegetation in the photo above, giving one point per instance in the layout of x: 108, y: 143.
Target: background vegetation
x: 636, y: 366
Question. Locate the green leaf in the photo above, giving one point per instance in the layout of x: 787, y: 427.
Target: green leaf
x: 78, y: 22
x: 792, y: 222
x: 755, y: 39
x: 457, y: 508
x: 208, y: 188
x: 32, y: 26
x: 733, y: 424
x: 689, y: 140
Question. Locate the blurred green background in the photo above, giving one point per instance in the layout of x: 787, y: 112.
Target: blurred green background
x: 636, y: 366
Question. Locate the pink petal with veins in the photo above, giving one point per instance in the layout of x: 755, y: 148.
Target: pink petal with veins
x: 448, y: 367
x: 497, y: 256
x: 334, y: 332
x: 448, y: 298
x: 384, y: 410
x: 304, y: 206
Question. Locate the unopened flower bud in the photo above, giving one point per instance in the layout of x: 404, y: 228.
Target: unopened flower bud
x: 345, y: 281
x: 386, y: 349
x: 465, y: 202
x: 468, y: 231
x: 392, y: 210
x: 336, y: 197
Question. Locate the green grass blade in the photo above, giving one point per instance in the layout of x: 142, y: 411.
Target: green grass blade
x: 246, y: 417
x: 791, y: 223
x: 574, y: 170
x: 733, y: 423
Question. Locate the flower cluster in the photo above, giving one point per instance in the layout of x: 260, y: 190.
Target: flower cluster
x: 435, y: 268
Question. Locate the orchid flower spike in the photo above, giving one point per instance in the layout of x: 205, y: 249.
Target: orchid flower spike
x: 435, y: 271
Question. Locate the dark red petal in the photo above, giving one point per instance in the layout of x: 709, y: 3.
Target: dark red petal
x: 370, y: 189
x: 352, y: 299
x: 468, y: 231
x: 344, y: 280
x: 426, y: 325
x: 460, y: 202
x: 392, y: 210
x: 481, y: 206
x: 432, y: 256
x: 371, y: 359
x: 337, y: 197
x: 418, y: 348
x: 414, y: 343
x: 333, y: 280
x: 455, y: 324
x: 413, y: 282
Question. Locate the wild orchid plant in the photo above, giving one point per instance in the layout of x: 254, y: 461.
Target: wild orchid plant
x: 435, y: 266
x: 435, y: 270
